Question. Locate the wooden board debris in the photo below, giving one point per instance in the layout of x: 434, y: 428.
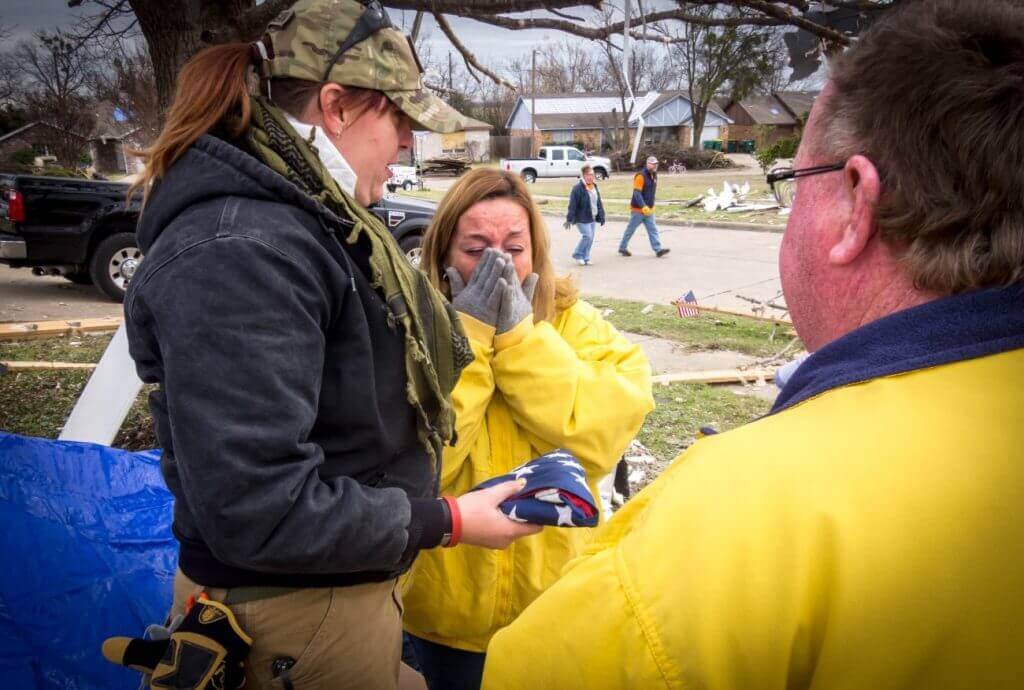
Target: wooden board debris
x: 726, y: 312
x: 45, y: 366
x: 34, y: 330
x: 718, y: 376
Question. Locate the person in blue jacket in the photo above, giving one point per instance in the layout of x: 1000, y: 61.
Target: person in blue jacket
x: 586, y: 212
x: 641, y: 209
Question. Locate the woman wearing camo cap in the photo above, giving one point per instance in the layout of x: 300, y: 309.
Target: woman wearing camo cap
x: 304, y: 368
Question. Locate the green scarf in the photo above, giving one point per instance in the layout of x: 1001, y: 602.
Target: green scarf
x: 436, y: 348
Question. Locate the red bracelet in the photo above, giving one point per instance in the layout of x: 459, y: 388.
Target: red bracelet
x: 453, y: 509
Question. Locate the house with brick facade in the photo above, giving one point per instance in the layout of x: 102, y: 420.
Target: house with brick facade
x: 767, y: 118
x: 593, y: 120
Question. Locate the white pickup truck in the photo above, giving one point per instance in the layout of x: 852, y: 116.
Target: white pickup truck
x: 556, y: 161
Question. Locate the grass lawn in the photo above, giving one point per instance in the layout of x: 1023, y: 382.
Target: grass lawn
x: 682, y: 409
x: 704, y: 332
x: 665, y: 211
x: 38, y: 403
x: 682, y: 186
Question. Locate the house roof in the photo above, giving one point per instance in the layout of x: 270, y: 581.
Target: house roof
x: 767, y: 110
x: 31, y: 125
x: 578, y: 121
x: 20, y: 130
x: 473, y: 124
x: 595, y: 110
x: 665, y: 97
x: 798, y: 102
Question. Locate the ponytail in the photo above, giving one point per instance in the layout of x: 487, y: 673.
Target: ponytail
x: 212, y: 90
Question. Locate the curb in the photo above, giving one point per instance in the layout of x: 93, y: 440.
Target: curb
x: 686, y: 223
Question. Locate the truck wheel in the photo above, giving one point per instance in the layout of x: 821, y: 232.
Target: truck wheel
x: 407, y: 185
x: 79, y: 277
x: 412, y: 248
x: 529, y: 176
x: 601, y: 173
x: 113, y: 264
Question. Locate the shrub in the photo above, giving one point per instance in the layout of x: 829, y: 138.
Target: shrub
x: 668, y: 152
x: 25, y: 156
x: 783, y: 148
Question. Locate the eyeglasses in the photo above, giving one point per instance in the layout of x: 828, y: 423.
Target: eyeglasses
x: 780, y: 192
x: 373, y: 19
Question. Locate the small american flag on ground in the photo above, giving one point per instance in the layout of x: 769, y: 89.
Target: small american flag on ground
x: 682, y: 302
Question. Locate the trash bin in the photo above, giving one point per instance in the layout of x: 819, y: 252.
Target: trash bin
x: 748, y: 146
x: 732, y: 146
x: 713, y: 145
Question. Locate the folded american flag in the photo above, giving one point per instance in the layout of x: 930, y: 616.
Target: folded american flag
x: 556, y: 492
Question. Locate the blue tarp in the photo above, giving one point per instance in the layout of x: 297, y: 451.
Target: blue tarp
x: 86, y: 552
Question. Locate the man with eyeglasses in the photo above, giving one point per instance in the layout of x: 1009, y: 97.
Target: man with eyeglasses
x: 867, y: 532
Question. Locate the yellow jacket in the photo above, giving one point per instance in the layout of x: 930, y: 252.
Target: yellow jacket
x: 870, y: 535
x: 576, y: 384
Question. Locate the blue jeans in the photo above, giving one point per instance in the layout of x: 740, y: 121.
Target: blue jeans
x: 587, y: 231
x: 635, y: 218
x: 444, y: 668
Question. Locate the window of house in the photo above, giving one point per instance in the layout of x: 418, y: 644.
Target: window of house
x: 563, y: 136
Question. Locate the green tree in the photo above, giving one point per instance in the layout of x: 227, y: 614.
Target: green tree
x: 713, y: 60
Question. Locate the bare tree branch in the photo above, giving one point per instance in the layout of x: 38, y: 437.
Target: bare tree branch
x: 787, y: 17
x: 255, y: 19
x: 468, y: 56
x: 487, y: 7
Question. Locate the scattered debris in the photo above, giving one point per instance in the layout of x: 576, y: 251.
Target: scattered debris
x: 607, y: 312
x: 444, y: 166
x: 648, y: 309
x: 729, y: 196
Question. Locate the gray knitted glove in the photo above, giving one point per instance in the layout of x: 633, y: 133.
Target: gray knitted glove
x: 517, y: 302
x: 481, y: 297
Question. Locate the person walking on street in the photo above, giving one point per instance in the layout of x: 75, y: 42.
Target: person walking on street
x: 641, y: 209
x: 304, y: 367
x: 586, y: 212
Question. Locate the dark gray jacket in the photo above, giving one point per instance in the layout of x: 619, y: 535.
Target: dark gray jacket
x: 288, y: 442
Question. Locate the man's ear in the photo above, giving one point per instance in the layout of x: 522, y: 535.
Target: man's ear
x: 330, y: 108
x: 863, y: 187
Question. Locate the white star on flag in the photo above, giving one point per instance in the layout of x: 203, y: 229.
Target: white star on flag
x: 582, y: 480
x: 549, y: 496
x: 525, y: 469
x: 512, y: 515
x: 571, y: 464
x: 565, y: 516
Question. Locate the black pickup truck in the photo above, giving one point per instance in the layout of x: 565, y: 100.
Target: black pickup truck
x: 85, y: 230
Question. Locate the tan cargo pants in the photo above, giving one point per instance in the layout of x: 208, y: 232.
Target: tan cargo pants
x: 339, y: 637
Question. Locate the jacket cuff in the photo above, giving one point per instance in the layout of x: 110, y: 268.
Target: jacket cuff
x: 428, y: 523
x: 477, y: 330
x: 515, y: 336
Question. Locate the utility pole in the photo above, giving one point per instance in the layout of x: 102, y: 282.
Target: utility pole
x: 533, y: 102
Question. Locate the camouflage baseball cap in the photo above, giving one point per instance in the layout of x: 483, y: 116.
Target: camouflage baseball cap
x: 305, y: 42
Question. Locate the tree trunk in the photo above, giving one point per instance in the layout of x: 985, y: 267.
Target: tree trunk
x: 700, y: 115
x: 175, y: 30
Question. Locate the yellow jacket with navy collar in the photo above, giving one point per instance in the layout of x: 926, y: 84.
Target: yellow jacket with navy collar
x: 868, y: 533
x: 575, y: 383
